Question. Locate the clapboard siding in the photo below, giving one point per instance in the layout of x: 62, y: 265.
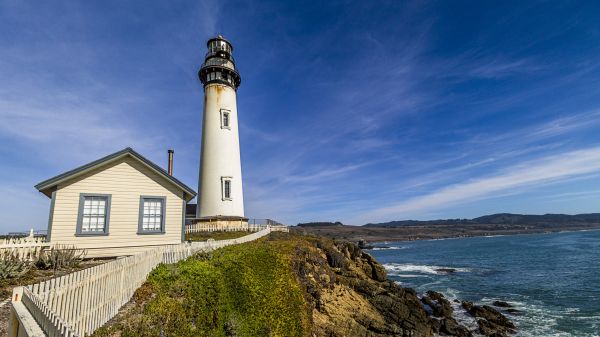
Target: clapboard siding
x: 125, y: 180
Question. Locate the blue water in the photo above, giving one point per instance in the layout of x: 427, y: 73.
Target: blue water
x: 554, y: 279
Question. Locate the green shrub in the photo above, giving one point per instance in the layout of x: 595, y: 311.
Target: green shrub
x: 60, y: 257
x: 12, y: 267
x: 245, y: 290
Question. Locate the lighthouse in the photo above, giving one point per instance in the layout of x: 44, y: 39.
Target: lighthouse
x: 220, y: 196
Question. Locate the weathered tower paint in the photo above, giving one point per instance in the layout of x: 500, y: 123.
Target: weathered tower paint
x: 220, y: 182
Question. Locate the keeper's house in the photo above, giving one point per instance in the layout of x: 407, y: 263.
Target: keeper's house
x: 117, y: 205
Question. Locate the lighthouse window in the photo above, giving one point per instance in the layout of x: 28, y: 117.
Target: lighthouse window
x: 225, y: 120
x: 226, y: 187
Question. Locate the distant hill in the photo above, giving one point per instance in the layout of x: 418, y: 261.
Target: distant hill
x: 501, y: 219
x: 320, y: 224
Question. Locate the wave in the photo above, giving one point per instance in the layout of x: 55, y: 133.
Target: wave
x: 387, y: 248
x: 412, y: 275
x: 539, y: 319
x: 397, y: 268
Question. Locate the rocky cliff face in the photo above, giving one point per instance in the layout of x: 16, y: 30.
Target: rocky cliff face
x: 349, y: 295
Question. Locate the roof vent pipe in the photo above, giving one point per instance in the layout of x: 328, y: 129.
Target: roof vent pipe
x: 170, y: 167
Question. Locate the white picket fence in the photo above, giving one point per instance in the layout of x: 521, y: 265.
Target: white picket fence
x: 79, y: 303
x: 253, y: 225
x: 24, y: 247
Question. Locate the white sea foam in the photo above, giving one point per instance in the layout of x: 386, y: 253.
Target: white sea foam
x: 463, y: 318
x: 494, y: 236
x: 397, y: 269
x: 538, y: 319
x: 387, y: 248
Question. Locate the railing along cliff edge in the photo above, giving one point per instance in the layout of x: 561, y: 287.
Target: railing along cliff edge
x: 79, y: 303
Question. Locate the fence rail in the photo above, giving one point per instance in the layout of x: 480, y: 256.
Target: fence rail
x: 79, y: 303
x: 253, y: 225
x: 24, y: 247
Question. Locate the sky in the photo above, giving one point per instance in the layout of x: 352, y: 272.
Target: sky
x: 352, y: 111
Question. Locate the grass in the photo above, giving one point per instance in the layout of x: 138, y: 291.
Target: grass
x: 203, y: 236
x: 243, y: 290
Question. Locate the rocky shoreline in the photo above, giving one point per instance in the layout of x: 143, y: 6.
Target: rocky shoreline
x: 351, y: 296
x: 474, y: 319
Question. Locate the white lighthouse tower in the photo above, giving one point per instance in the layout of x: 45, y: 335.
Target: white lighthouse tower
x: 220, y: 196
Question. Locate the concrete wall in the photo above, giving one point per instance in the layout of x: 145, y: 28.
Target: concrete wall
x: 125, y: 180
x: 220, y: 156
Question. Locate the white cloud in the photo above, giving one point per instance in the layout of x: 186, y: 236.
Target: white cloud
x: 545, y: 170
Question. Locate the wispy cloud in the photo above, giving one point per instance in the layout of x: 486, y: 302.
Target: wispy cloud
x: 344, y: 107
x: 545, y: 170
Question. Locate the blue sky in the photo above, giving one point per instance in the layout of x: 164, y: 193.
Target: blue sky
x: 353, y: 111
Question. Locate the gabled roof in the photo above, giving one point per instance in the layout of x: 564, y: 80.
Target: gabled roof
x: 47, y: 186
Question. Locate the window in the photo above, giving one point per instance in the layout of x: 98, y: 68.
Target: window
x: 226, y: 187
x: 152, y: 215
x: 93, y: 215
x: 225, y: 119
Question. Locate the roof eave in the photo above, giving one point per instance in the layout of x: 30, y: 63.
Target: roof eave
x: 48, y: 186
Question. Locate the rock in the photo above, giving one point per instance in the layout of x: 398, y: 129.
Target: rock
x: 439, y: 305
x: 501, y: 304
x: 379, y: 273
x: 452, y: 328
x: 436, y: 324
x: 490, y: 321
x: 489, y: 329
x: 362, y: 244
x: 446, y: 270
x: 350, y: 294
x: 514, y: 311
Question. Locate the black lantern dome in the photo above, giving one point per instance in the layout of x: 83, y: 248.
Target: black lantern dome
x: 219, y: 65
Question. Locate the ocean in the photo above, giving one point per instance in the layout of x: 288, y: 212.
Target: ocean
x: 553, y: 279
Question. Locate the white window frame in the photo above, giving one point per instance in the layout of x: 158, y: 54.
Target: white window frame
x: 81, y: 214
x: 163, y: 201
x: 226, y: 112
x: 223, y: 184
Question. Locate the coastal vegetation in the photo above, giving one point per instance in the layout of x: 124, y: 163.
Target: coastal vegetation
x: 218, y: 235
x: 287, y: 285
x: 17, y: 271
x: 243, y: 290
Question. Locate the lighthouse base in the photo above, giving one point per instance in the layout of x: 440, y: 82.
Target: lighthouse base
x: 217, y: 223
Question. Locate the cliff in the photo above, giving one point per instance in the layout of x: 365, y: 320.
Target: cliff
x: 289, y: 285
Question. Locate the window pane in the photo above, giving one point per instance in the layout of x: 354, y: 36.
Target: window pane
x: 225, y: 119
x: 94, y: 214
x: 227, y: 189
x: 152, y: 217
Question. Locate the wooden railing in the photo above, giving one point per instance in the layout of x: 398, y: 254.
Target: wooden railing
x: 24, y: 247
x: 79, y: 303
x: 253, y: 225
